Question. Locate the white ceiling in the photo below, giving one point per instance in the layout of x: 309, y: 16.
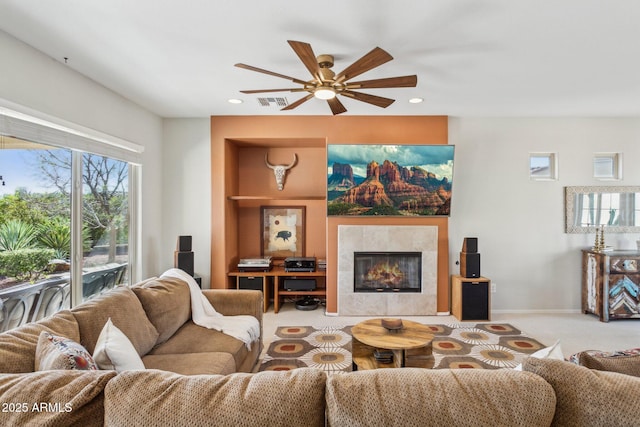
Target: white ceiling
x: 472, y: 57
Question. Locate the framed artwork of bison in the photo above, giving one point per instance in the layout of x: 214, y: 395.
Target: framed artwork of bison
x: 282, y: 231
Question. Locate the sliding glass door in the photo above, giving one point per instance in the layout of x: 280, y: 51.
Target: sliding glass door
x: 105, y: 223
x: 39, y: 263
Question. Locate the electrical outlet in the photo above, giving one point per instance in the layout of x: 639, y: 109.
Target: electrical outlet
x: 493, y: 288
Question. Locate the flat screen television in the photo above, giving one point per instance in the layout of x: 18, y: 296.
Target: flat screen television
x: 390, y: 180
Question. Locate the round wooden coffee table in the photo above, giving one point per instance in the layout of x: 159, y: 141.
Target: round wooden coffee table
x: 411, y: 345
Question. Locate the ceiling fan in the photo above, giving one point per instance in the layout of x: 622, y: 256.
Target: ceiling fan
x: 327, y: 85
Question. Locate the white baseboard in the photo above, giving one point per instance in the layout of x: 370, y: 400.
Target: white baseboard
x: 538, y: 311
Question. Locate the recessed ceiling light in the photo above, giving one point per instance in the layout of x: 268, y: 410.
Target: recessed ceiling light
x: 235, y: 101
x: 416, y: 100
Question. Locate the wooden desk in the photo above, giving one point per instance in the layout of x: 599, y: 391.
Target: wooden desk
x: 278, y: 290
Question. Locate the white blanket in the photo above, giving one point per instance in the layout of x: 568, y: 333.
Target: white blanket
x: 245, y: 328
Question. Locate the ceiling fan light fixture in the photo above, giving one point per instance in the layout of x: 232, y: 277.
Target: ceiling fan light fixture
x: 415, y: 100
x: 327, y: 85
x: 324, y: 93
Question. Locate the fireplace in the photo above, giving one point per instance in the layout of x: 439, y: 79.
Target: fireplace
x: 377, y: 239
x: 387, y: 271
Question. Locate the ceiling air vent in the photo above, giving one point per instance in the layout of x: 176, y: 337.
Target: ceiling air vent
x: 276, y: 102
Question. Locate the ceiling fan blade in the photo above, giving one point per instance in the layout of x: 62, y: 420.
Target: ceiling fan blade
x: 404, y: 81
x: 306, y: 55
x: 271, y: 73
x: 297, y: 89
x: 373, y: 59
x: 336, y: 106
x: 378, y: 101
x: 298, y: 102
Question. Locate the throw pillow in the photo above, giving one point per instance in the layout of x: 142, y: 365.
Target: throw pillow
x: 552, y: 352
x: 115, y: 351
x: 621, y: 362
x: 55, y: 352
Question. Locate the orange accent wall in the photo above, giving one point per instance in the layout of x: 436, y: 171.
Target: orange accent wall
x: 238, y: 145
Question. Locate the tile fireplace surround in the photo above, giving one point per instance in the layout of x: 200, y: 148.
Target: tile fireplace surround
x: 402, y: 238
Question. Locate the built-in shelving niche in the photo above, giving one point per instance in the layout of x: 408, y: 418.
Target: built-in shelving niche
x: 252, y: 184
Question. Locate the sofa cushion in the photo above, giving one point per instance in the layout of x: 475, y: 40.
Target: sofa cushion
x: 588, y: 397
x: 263, y: 399
x: 620, y: 362
x: 217, y: 363
x: 167, y: 303
x: 56, y: 352
x: 125, y: 310
x: 191, y: 338
x: 54, y: 398
x: 18, y: 346
x: 442, y: 397
x: 115, y: 351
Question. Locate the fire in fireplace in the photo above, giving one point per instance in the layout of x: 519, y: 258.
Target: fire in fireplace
x: 387, y: 271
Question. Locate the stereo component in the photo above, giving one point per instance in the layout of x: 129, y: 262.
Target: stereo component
x: 300, y: 264
x: 184, y: 243
x: 469, y: 264
x: 470, y: 298
x: 470, y: 258
x: 470, y: 244
x: 183, y: 256
x: 297, y: 284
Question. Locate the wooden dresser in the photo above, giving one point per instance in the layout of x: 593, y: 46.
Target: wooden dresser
x: 611, y: 284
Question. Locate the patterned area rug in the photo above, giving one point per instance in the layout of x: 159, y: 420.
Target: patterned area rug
x: 461, y: 345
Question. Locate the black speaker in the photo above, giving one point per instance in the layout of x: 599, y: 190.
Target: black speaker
x: 184, y: 261
x: 184, y: 244
x: 470, y: 245
x: 469, y: 264
x: 475, y: 300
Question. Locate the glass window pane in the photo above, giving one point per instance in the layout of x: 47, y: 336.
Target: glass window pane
x: 105, y: 223
x: 35, y: 237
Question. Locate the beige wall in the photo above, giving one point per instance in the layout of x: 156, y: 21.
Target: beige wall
x: 227, y: 131
x: 39, y: 83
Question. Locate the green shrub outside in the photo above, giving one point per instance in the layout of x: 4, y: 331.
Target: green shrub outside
x: 56, y: 235
x: 25, y: 264
x: 16, y: 234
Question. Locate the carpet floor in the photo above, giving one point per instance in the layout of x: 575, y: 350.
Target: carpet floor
x: 461, y: 345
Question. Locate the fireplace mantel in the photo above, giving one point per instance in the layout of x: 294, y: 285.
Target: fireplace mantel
x: 367, y: 238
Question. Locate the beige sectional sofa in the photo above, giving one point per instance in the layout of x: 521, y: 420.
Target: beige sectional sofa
x: 155, y: 315
x: 198, y: 377
x: 548, y: 392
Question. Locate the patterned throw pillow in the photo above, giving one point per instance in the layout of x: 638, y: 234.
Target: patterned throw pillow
x: 55, y: 352
x: 623, y: 362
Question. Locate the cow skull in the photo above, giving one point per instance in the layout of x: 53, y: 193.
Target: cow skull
x: 280, y: 170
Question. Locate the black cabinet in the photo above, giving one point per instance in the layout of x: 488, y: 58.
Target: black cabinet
x: 253, y: 282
